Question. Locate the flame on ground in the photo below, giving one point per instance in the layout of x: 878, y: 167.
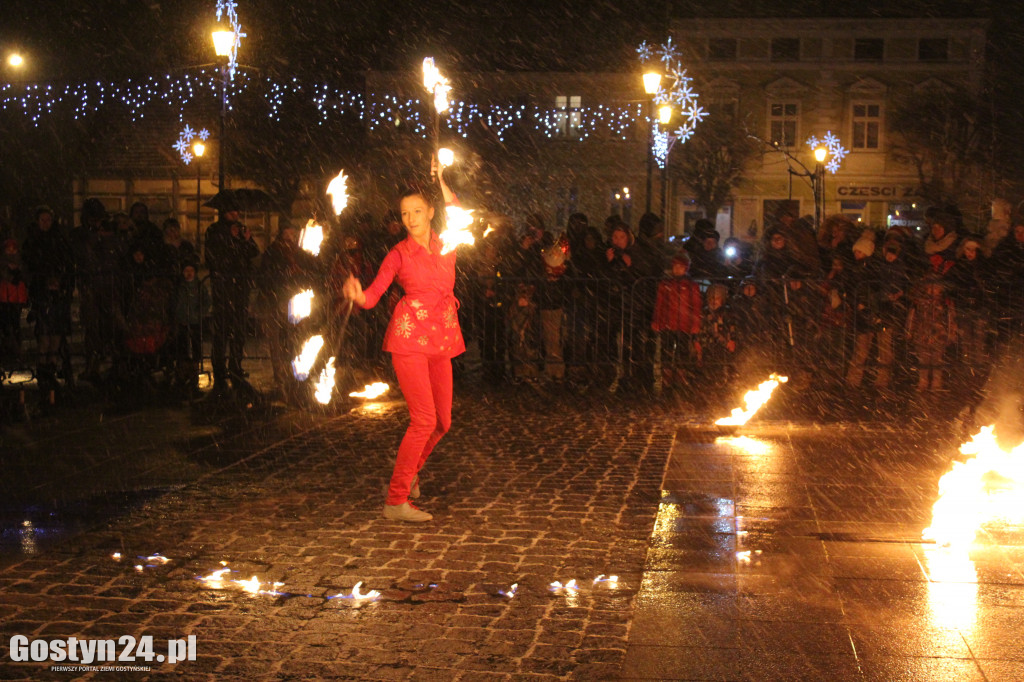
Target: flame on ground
x: 325, y: 384
x: 977, y: 491
x: 753, y: 400
x: 338, y: 189
x: 371, y: 391
x: 457, y: 232
x: 302, y: 364
x: 300, y: 306
x: 311, y: 237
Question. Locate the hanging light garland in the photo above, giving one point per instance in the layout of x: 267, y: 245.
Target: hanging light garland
x: 676, y: 90
x: 376, y: 110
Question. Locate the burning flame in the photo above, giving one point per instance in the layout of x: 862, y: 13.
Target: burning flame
x: 457, y: 232
x: 436, y: 84
x: 977, y: 491
x: 116, y: 556
x: 325, y: 384
x: 300, y: 306
x: 338, y: 189
x: 445, y: 157
x: 371, y: 391
x: 571, y: 585
x: 356, y: 594
x: 753, y: 401
x: 215, y: 580
x: 252, y: 585
x: 311, y: 237
x: 304, y: 362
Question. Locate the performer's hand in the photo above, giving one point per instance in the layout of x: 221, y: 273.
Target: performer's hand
x: 353, y: 290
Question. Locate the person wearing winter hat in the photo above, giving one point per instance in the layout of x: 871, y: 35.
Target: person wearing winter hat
x: 940, y: 245
x: 864, y: 247
x: 969, y: 287
x: 676, y: 320
x: 706, y: 257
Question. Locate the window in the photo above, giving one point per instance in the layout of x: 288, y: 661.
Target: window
x: 785, y: 49
x: 933, y: 50
x: 856, y: 211
x: 567, y: 115
x: 867, y: 125
x: 782, y: 119
x: 622, y: 203
x: 723, y: 110
x: 722, y: 49
x: 868, y: 49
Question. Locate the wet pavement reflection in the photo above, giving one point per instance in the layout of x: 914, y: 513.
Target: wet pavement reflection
x: 794, y: 552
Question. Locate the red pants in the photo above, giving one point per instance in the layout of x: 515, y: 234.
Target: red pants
x: 426, y: 383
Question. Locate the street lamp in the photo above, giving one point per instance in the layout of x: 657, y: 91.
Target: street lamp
x: 818, y: 184
x: 223, y: 42
x: 198, y: 149
x: 652, y: 84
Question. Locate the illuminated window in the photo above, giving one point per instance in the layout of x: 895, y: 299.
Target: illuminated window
x: 782, y: 123
x: 567, y: 115
x: 622, y: 202
x: 867, y: 125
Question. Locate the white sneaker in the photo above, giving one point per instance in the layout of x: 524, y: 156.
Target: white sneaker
x: 405, y: 512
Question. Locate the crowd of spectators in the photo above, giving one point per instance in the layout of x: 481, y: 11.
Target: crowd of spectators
x: 858, y: 308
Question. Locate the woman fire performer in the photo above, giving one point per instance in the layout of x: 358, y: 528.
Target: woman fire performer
x: 422, y: 337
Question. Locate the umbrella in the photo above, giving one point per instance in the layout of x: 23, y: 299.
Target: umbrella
x: 245, y: 200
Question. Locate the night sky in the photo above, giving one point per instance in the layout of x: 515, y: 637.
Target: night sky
x: 117, y: 38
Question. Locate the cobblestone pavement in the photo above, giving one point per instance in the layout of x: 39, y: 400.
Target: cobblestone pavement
x: 525, y: 491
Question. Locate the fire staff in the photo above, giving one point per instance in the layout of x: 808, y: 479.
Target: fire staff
x: 423, y: 336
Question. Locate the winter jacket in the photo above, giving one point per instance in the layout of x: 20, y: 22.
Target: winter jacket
x: 677, y: 306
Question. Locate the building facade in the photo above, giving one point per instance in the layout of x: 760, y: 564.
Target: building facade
x: 788, y: 80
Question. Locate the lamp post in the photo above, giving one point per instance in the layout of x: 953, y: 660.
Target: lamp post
x: 818, y: 185
x: 652, y: 83
x: 223, y: 41
x: 664, y: 118
x: 198, y: 149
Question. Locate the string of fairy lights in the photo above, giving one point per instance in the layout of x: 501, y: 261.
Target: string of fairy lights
x: 136, y: 97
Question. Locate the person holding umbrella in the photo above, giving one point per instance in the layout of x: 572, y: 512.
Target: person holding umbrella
x: 423, y: 336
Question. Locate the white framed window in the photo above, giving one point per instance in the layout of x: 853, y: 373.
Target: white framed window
x: 782, y: 123
x: 866, y: 118
x: 567, y: 115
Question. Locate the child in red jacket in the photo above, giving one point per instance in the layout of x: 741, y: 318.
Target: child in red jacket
x: 677, y: 310
x: 13, y: 297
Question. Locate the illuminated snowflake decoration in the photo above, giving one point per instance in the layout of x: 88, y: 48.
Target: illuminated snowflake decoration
x: 677, y: 91
x: 836, y: 151
x: 184, y: 144
x: 226, y: 8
